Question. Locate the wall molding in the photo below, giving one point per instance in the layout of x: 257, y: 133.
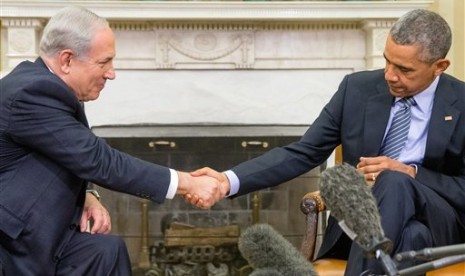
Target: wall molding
x: 220, y: 10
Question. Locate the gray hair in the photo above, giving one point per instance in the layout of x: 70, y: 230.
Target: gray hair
x: 426, y: 29
x: 71, y: 28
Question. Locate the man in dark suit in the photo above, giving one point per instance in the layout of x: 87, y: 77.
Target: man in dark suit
x: 48, y: 155
x: 421, y: 191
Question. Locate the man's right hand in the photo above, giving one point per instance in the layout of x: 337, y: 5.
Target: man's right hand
x: 200, y: 190
x: 223, y: 180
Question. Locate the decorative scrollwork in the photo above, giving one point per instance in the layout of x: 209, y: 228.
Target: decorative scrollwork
x: 236, y: 42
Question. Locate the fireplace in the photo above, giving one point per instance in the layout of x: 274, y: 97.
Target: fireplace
x: 188, y: 147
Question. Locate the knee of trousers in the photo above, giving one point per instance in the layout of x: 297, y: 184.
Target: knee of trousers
x: 393, y: 182
x: 418, y: 234
x: 110, y: 247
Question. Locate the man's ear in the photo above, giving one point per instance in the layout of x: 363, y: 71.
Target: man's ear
x: 65, y: 59
x: 441, y: 66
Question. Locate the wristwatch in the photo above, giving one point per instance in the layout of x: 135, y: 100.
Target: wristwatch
x: 94, y: 193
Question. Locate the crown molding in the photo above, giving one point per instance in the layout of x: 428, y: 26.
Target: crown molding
x: 220, y: 10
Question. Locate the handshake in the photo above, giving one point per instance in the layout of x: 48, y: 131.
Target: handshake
x: 203, y: 187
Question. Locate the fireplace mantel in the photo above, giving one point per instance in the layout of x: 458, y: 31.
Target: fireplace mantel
x: 220, y: 62
x: 220, y: 10
x: 22, y: 23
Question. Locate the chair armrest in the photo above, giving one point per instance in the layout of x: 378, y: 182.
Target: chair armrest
x: 311, y: 204
x: 313, y: 197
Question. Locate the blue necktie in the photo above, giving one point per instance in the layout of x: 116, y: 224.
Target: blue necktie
x: 398, y: 132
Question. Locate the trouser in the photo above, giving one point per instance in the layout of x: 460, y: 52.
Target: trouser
x: 83, y: 255
x: 96, y: 254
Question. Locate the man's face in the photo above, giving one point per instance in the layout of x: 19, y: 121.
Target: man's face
x: 405, y: 73
x: 88, y: 75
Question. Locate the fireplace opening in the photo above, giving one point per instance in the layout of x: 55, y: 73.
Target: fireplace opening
x: 175, y: 238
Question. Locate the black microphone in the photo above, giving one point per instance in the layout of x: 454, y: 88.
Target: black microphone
x: 349, y: 199
x: 270, y: 254
x: 431, y: 253
x: 432, y: 265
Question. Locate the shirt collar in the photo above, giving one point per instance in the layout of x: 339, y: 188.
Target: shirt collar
x: 425, y: 97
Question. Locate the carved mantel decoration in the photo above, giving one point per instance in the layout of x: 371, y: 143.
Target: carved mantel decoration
x: 193, y: 34
x: 228, y: 48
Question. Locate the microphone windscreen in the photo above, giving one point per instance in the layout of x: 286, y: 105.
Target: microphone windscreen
x: 349, y: 199
x: 265, y: 272
x: 267, y: 250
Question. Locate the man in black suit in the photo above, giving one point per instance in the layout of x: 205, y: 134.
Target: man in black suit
x: 420, y: 192
x: 48, y: 155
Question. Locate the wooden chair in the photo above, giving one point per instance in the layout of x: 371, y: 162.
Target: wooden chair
x: 312, y: 205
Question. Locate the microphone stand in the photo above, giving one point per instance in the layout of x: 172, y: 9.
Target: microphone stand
x: 447, y: 255
x: 421, y: 268
x: 431, y: 253
x: 380, y: 250
x: 432, y: 265
x: 438, y: 257
x: 389, y: 266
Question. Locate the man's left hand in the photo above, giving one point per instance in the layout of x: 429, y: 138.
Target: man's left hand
x: 95, y: 213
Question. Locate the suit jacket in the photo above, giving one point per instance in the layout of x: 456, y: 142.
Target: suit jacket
x: 356, y: 117
x: 47, y: 156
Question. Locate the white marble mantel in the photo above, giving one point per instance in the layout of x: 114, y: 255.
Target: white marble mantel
x: 220, y: 10
x: 178, y: 62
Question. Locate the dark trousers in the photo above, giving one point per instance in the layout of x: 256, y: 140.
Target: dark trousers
x: 413, y: 217
x: 83, y: 255
x: 96, y: 254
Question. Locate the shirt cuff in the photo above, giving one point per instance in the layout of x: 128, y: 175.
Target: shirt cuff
x: 173, y: 184
x: 234, y: 182
x: 416, y: 168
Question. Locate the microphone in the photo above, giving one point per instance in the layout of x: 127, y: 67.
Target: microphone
x: 432, y: 265
x: 270, y: 254
x: 431, y: 253
x: 351, y: 202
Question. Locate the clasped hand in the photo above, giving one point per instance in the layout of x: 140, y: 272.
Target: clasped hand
x: 371, y: 167
x: 206, y: 188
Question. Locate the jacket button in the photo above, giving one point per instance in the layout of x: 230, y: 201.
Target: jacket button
x: 72, y: 226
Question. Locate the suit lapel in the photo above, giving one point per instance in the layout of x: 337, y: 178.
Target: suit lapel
x: 376, y: 117
x: 444, y: 118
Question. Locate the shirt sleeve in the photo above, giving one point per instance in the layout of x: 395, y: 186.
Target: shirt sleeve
x: 233, y: 182
x: 173, y: 185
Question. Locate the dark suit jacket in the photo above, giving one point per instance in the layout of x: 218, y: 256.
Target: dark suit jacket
x: 356, y: 117
x: 47, y: 155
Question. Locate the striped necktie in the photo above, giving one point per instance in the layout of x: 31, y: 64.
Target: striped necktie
x: 398, y: 132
